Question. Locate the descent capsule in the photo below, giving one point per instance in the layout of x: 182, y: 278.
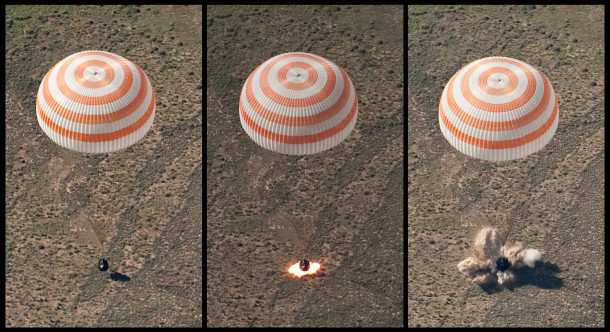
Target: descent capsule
x: 304, y: 265
x: 102, y: 265
x: 502, y: 264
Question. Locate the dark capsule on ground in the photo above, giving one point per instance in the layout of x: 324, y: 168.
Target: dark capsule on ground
x: 502, y: 264
x: 304, y: 265
x: 102, y: 265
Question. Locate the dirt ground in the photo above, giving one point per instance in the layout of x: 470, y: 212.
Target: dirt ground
x: 342, y: 208
x: 140, y: 208
x: 551, y: 200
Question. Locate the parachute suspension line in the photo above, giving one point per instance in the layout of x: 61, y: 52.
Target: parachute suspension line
x: 299, y: 232
x: 97, y: 234
x: 509, y: 231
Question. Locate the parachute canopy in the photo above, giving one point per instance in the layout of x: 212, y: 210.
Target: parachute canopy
x: 96, y: 102
x: 297, y: 104
x: 498, y: 109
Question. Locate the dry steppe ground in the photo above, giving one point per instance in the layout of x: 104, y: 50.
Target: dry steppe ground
x: 144, y: 202
x: 551, y: 200
x: 342, y: 208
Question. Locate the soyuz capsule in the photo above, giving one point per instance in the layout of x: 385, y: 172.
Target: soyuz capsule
x: 502, y: 264
x: 303, y: 268
x: 102, y: 265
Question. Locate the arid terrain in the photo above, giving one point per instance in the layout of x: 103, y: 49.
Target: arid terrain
x: 140, y: 208
x: 552, y: 200
x: 342, y: 208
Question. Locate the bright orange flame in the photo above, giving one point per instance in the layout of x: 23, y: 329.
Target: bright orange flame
x: 296, y: 270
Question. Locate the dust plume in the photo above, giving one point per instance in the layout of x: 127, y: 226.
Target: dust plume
x: 494, y: 261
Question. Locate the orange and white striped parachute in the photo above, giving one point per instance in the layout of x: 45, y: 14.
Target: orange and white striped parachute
x: 297, y: 104
x: 95, y: 102
x: 498, y: 109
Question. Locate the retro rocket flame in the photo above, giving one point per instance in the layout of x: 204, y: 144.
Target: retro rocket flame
x: 296, y: 270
